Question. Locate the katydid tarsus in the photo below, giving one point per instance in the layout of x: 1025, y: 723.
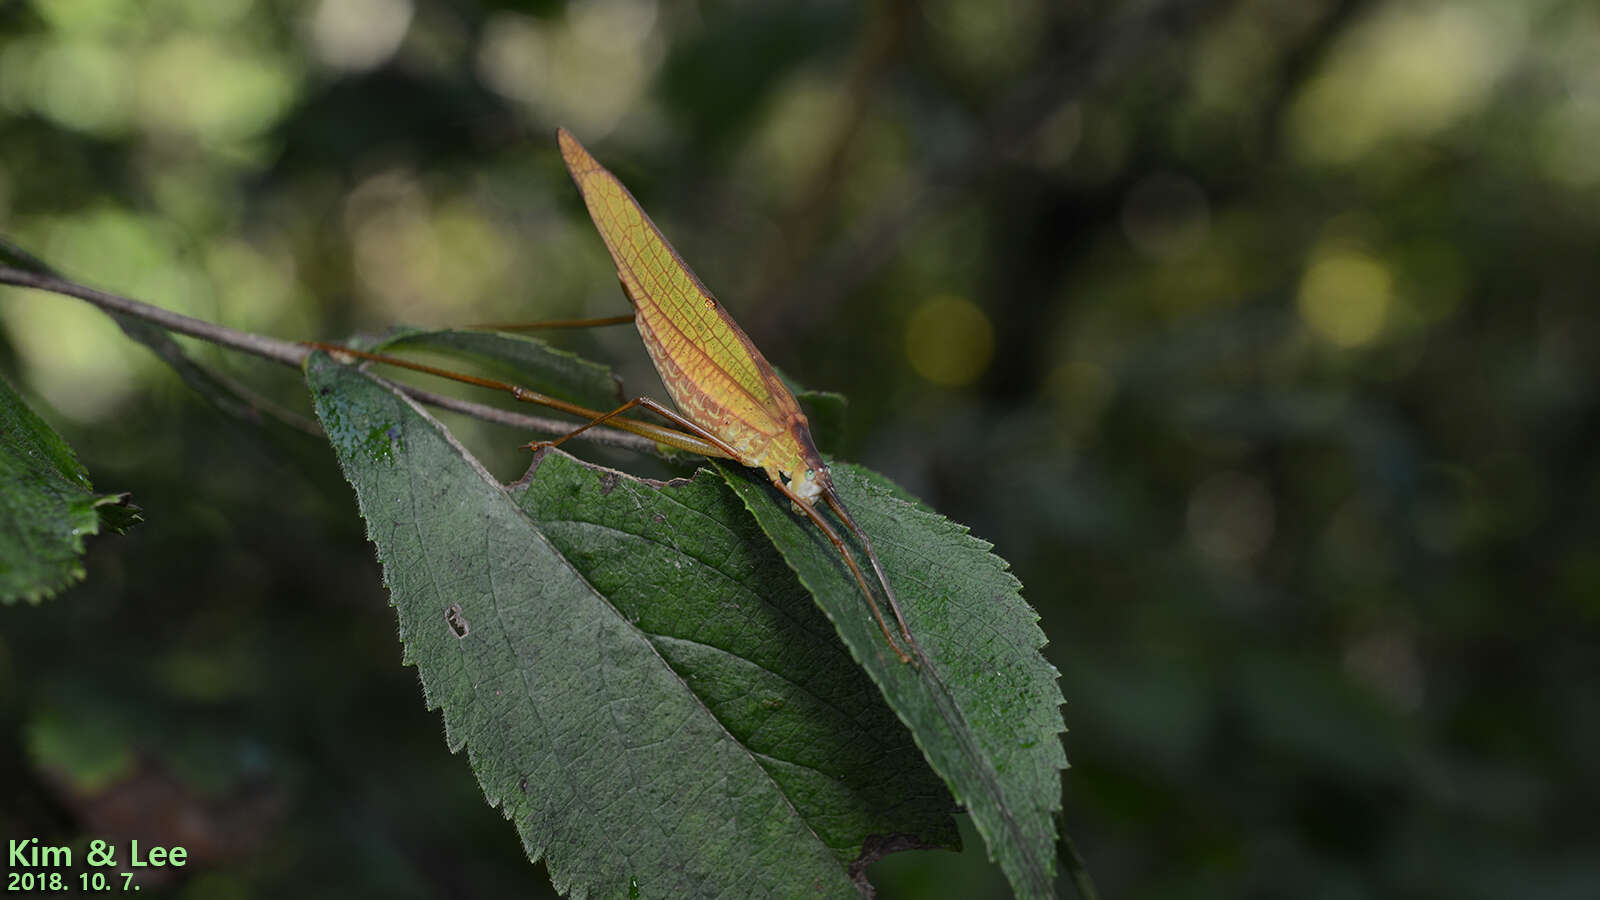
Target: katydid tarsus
x: 731, y: 402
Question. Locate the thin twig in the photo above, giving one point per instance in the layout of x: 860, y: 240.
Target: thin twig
x: 285, y: 352
x: 223, y: 390
x: 290, y: 353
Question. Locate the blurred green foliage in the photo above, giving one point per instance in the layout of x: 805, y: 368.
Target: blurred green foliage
x: 1258, y: 336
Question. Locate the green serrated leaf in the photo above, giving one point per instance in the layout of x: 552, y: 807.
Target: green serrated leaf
x: 47, y: 506
x: 687, y: 565
x: 581, y: 710
x: 983, y: 704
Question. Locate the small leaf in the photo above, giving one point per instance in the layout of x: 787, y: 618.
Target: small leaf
x: 825, y: 413
x: 983, y: 704
x: 222, y: 390
x: 669, y: 717
x: 47, y: 506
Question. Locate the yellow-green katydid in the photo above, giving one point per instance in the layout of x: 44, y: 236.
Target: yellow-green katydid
x: 733, y: 405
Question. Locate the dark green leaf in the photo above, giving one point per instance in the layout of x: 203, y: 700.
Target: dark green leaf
x: 825, y: 412
x: 982, y: 704
x: 684, y: 562
x: 47, y: 506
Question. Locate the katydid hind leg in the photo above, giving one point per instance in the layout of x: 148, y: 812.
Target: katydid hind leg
x: 855, y: 569
x: 838, y: 507
x: 696, y: 440
x: 597, y: 420
x: 714, y: 448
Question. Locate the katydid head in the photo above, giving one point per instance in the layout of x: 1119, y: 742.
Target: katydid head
x: 805, y: 471
x: 811, y: 483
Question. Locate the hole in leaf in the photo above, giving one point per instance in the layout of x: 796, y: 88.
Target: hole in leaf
x: 457, y: 622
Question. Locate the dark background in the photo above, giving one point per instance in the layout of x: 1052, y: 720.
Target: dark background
x: 1259, y: 337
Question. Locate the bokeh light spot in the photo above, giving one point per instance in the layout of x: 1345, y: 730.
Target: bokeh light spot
x: 81, y: 85
x: 949, y: 341
x: 244, y: 96
x: 1411, y: 72
x: 1345, y: 297
x: 357, y: 35
x: 395, y: 255
x: 588, y: 71
x: 790, y: 143
x: 90, y: 374
x: 87, y: 16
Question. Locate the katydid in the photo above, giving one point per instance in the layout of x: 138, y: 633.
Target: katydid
x: 733, y: 405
